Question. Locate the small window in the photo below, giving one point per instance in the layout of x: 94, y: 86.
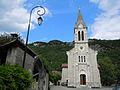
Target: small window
x: 82, y: 35
x: 78, y: 35
x: 84, y: 59
x: 81, y: 58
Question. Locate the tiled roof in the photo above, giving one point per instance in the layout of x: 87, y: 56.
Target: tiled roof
x: 64, y: 65
x: 17, y: 43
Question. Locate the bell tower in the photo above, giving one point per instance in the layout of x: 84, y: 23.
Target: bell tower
x: 80, y: 33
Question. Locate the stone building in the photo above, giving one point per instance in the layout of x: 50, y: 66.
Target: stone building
x: 13, y: 52
x: 82, y: 66
x: 64, y: 79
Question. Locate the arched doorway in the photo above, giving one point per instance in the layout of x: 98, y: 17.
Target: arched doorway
x: 82, y: 79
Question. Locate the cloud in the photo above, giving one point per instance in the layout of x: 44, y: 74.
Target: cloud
x: 107, y: 24
x: 11, y: 16
x: 48, y: 13
x: 14, y: 17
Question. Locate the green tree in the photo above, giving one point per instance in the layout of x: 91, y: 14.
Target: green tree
x: 107, y: 71
x: 54, y: 78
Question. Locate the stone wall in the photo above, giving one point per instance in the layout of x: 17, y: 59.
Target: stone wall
x: 15, y: 57
x: 64, y: 75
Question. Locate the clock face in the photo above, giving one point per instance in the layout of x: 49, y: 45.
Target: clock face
x: 80, y: 26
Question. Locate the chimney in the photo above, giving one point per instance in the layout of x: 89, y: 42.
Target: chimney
x: 14, y: 35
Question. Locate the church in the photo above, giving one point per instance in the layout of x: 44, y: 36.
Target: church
x: 82, y: 68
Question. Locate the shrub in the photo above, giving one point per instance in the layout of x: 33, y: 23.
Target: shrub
x: 14, y: 78
x: 54, y: 78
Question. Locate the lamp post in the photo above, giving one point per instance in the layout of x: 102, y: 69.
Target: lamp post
x: 40, y: 20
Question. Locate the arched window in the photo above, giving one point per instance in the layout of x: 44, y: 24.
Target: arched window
x: 82, y: 35
x: 81, y: 58
x: 78, y: 35
x: 84, y: 59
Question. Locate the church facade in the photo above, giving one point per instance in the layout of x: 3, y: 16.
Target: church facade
x: 82, y: 69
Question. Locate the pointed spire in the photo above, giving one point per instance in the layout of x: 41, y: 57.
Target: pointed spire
x: 80, y: 20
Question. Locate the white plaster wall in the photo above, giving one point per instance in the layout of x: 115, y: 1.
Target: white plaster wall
x: 71, y: 73
x: 96, y: 82
x: 64, y: 74
x: 90, y: 67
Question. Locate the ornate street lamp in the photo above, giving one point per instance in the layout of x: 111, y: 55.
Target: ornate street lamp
x: 40, y: 20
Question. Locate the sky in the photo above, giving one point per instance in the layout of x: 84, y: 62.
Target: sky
x: 102, y: 17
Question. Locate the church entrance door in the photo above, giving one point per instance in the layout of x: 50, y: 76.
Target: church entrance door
x: 82, y: 79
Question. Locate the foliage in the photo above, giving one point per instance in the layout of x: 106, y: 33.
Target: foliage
x: 14, y: 78
x: 109, y: 60
x: 5, y: 38
x: 55, y: 42
x: 54, y: 78
x: 107, y: 70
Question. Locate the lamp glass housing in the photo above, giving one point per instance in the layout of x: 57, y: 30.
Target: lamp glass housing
x: 40, y: 20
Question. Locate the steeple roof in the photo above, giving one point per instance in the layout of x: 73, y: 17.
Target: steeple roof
x: 80, y: 20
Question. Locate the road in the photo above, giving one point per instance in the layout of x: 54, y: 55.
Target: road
x: 64, y: 88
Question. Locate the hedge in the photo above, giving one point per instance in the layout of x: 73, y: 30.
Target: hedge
x: 14, y: 78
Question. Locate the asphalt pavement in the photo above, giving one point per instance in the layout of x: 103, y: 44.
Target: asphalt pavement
x: 65, y: 88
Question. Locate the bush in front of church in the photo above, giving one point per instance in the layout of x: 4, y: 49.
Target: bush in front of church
x: 14, y: 78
